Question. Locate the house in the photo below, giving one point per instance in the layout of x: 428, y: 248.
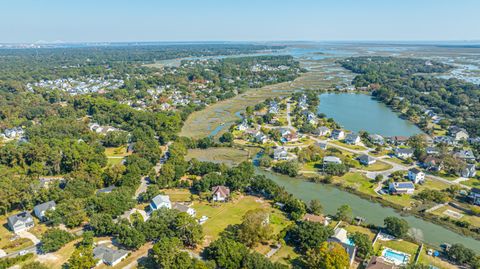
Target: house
x: 416, y: 175
x: 291, y: 137
x: 469, y: 171
x: 458, y: 133
x: 432, y: 150
x: 401, y: 188
x: 160, y: 201
x: 404, y: 153
x: 40, y: 209
x: 322, y: 145
x: 331, y: 159
x: 260, y: 138
x: 466, y: 155
x: 432, y: 163
x: 183, y: 208
x: 474, y: 196
x: 243, y: 126
x: 20, y: 222
x: 280, y: 153
x: 400, y: 140
x: 366, y: 160
x: 340, y: 236
x: 380, y: 263
x: 376, y: 139
x: 220, y: 193
x: 352, y: 139
x: 273, y: 109
x: 322, y: 131
x: 315, y: 218
x: 338, y: 134
x: 109, y: 256
x: 443, y: 140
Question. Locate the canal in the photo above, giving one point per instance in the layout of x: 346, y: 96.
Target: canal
x: 332, y: 198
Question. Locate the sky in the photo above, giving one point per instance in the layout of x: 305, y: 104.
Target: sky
x: 25, y: 21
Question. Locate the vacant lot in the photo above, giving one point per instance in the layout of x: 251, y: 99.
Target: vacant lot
x: 229, y: 156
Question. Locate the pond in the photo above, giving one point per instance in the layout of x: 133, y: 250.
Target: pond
x: 357, y: 112
x: 332, y: 198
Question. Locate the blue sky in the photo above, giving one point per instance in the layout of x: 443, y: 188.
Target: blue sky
x: 244, y: 20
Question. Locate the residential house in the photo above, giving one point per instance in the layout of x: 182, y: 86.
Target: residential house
x: 183, y: 208
x: 331, y: 159
x: 322, y: 131
x: 260, y: 137
x: 458, y: 133
x: 466, y: 155
x: 474, y: 196
x: 432, y: 150
x: 380, y: 263
x: 20, y: 222
x: 433, y: 163
x: 322, y: 145
x: 401, y: 188
x: 316, y: 218
x: 243, y: 126
x: 404, y: 153
x: 291, y: 137
x: 447, y: 140
x: 220, y: 193
x: 40, y: 209
x: 273, y: 109
x: 416, y: 175
x: 160, y: 201
x: 352, y: 139
x: 400, y: 140
x: 366, y: 160
x: 340, y: 236
x: 338, y: 134
x: 469, y: 171
x: 109, y: 256
x: 376, y: 139
x: 280, y: 153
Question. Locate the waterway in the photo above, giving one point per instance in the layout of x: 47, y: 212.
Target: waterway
x: 332, y: 198
x: 357, y: 112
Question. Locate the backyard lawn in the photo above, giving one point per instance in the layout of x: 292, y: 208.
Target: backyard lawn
x: 377, y: 166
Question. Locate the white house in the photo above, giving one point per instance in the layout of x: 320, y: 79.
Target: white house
x: 469, y: 171
x: 352, y: 139
x: 322, y: 131
x: 458, y: 133
x: 160, y: 201
x: 20, y: 222
x: 186, y: 209
x: 280, y: 153
x: 366, y: 160
x: 404, y: 153
x: 475, y: 196
x: 416, y: 175
x: 220, y: 193
x: 401, y: 188
x: 331, y: 159
x: 109, y: 256
x: 340, y: 236
x: 40, y: 209
x: 338, y: 134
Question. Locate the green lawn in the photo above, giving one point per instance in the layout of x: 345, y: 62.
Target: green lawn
x: 116, y: 152
x: 377, y: 166
x: 473, y: 220
x: 354, y: 228
x: 348, y: 146
x: 357, y: 181
x: 178, y: 195
x: 399, y: 245
x: 220, y: 215
x: 114, y: 161
x: 284, y: 255
x: 473, y: 182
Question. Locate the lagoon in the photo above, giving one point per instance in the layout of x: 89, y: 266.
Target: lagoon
x: 357, y: 112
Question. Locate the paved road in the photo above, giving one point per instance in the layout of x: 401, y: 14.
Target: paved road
x: 289, y: 118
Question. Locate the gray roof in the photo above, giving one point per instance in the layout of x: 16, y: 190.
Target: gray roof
x: 365, y: 158
x: 404, y: 151
x: 20, y: 217
x: 45, y: 206
x: 415, y: 170
x: 180, y: 207
x: 159, y: 199
x: 108, y: 255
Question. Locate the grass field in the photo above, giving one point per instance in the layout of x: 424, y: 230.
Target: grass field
x: 229, y: 156
x: 473, y: 220
x: 220, y: 215
x: 116, y: 155
x: 357, y: 181
x: 377, y: 166
x: 473, y: 182
x: 354, y: 147
x: 178, y: 195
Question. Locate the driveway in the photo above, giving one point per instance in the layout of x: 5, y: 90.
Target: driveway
x: 28, y: 235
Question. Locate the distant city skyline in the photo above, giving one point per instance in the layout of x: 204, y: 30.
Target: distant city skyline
x: 29, y: 21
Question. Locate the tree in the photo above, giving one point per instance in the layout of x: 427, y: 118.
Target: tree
x: 363, y: 244
x: 255, y: 227
x: 227, y: 253
x: 82, y: 258
x: 226, y: 137
x: 460, y: 254
x: 130, y: 237
x: 165, y: 251
x: 327, y: 256
x: 288, y: 168
x: 315, y: 207
x: 54, y: 239
x: 344, y: 213
x: 396, y: 226
x: 102, y: 224
x: 306, y: 235
x: 187, y: 229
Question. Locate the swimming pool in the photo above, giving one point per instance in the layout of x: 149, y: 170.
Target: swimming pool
x: 396, y: 257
